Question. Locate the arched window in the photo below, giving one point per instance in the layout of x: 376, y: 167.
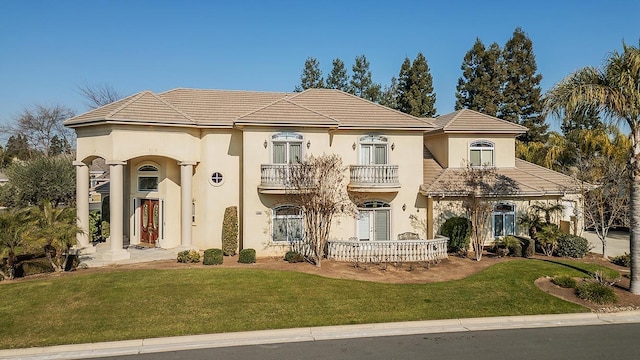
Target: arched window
x: 373, y: 149
x: 374, y: 221
x: 287, y: 224
x: 504, y: 220
x: 287, y: 148
x: 148, y: 178
x: 481, y: 153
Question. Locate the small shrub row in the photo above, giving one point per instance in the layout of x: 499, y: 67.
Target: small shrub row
x: 564, y: 281
x: 247, y: 256
x: 596, y: 293
x: 293, y: 257
x: 622, y: 260
x: 212, y: 257
x: 188, y: 256
x: 508, y: 246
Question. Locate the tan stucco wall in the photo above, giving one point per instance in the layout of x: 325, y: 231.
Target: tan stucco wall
x: 452, y: 150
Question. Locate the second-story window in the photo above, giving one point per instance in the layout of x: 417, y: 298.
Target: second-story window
x: 287, y: 148
x: 373, y: 150
x: 481, y: 153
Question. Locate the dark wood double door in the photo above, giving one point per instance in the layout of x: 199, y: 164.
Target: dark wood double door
x: 149, y: 221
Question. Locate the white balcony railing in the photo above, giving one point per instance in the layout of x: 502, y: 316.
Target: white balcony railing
x: 374, y: 175
x: 275, y: 175
x: 388, y: 251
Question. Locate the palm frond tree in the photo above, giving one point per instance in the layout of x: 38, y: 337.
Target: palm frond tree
x: 613, y: 91
x: 15, y: 227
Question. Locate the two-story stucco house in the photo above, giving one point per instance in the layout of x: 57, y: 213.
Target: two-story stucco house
x: 178, y: 159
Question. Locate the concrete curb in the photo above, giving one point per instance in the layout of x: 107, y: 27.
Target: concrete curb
x: 145, y: 346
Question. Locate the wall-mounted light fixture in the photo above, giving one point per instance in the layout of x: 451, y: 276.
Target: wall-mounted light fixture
x: 393, y: 146
x: 308, y: 144
x: 265, y: 144
x: 353, y: 146
x: 404, y: 207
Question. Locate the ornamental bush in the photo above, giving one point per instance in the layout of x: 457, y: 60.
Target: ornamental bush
x: 564, y: 281
x: 293, y: 257
x: 230, y: 231
x: 247, y: 256
x: 622, y: 260
x: 212, y: 257
x: 458, y: 230
x: 596, y: 293
x: 572, y: 246
x: 188, y: 256
x: 528, y: 246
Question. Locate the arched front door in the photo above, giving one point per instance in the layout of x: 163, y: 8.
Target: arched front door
x: 149, y: 221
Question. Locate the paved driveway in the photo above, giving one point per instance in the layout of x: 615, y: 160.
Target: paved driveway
x: 617, y: 242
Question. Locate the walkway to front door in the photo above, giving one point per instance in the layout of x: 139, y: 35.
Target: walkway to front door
x: 149, y: 221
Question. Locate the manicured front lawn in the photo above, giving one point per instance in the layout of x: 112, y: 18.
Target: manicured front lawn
x: 122, y: 305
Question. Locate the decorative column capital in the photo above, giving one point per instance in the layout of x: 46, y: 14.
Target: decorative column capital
x: 187, y: 163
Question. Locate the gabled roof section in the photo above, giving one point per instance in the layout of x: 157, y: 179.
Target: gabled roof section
x: 286, y: 112
x: 469, y: 121
x: 531, y: 180
x: 219, y: 108
x: 144, y: 107
x: 355, y: 112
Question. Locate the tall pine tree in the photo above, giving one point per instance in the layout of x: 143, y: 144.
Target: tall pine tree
x: 311, y: 77
x: 522, y: 97
x: 415, y: 88
x: 389, y: 97
x: 338, y: 78
x: 480, y: 87
x: 361, y: 83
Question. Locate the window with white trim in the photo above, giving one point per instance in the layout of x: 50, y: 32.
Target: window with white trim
x: 287, y: 148
x: 481, y: 153
x: 504, y: 220
x: 287, y: 224
x: 373, y: 149
x: 374, y: 221
x: 148, y: 176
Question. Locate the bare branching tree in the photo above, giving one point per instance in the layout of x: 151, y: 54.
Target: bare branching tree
x: 317, y: 186
x: 41, y: 125
x: 480, y: 188
x: 98, y: 95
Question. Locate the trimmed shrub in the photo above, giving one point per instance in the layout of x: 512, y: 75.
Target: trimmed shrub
x: 247, y: 256
x: 293, y: 257
x: 564, y: 281
x: 622, y: 260
x: 33, y: 266
x: 106, y: 229
x: 188, y: 256
x: 596, y: 293
x: 528, y: 246
x: 212, y: 257
x: 230, y: 231
x: 458, y: 230
x: 572, y: 246
x: 507, y: 246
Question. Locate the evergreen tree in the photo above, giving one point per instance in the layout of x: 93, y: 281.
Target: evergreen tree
x: 59, y: 146
x: 415, y: 88
x: 389, y: 97
x: 361, y: 83
x: 18, y: 147
x: 480, y: 87
x: 421, y: 97
x: 522, y: 98
x: 311, y: 77
x: 588, y: 119
x: 338, y: 78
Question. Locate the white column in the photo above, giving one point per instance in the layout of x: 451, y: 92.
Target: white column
x: 116, y: 212
x: 82, y: 206
x: 186, y: 196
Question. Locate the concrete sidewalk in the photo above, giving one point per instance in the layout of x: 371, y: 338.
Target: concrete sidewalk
x: 155, y: 345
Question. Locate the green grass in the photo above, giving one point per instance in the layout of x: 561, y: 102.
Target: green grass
x: 122, y: 305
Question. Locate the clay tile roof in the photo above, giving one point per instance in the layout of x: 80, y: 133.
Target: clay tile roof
x: 144, y: 107
x: 531, y: 180
x: 466, y: 120
x: 286, y: 112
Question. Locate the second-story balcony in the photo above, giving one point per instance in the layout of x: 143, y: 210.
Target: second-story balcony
x: 275, y: 178
x: 375, y: 177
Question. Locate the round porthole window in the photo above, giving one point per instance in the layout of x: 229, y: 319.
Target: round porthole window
x: 216, y: 179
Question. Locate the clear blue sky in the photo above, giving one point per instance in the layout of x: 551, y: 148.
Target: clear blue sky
x: 48, y: 48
